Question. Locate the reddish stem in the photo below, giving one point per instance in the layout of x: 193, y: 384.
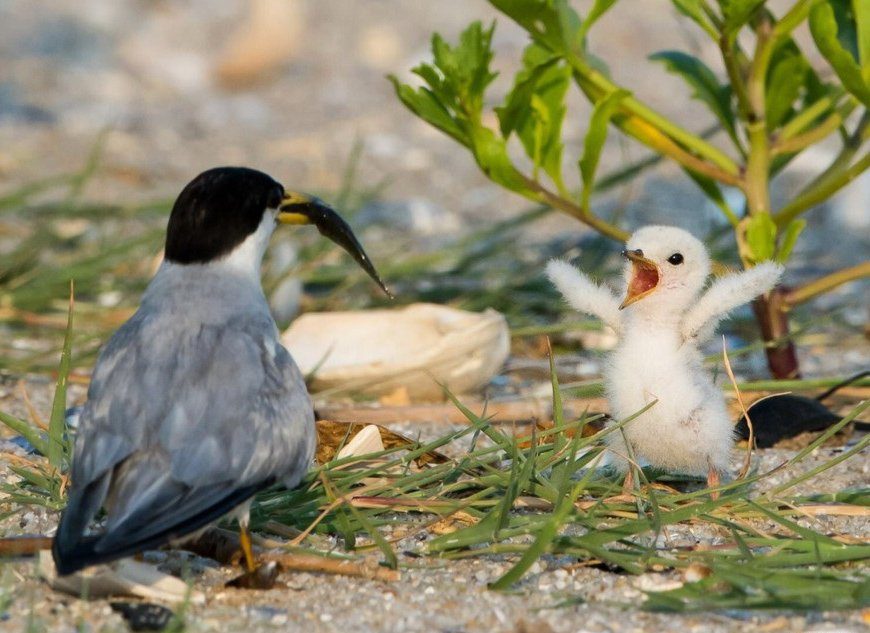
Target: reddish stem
x: 773, y: 320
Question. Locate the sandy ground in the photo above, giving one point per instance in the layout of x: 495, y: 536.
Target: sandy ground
x: 433, y: 594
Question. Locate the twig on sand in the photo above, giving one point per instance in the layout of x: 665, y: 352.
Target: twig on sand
x: 223, y: 546
x: 23, y: 545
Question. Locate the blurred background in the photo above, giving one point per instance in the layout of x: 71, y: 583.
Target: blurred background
x: 108, y: 108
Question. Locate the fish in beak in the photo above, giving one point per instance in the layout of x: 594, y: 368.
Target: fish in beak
x: 299, y: 208
x: 644, y: 277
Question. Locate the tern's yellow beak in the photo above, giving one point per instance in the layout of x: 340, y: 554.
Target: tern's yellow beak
x: 293, y: 208
x: 644, y: 277
x: 299, y: 208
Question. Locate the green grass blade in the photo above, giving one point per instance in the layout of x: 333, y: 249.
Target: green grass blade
x: 550, y: 529
x: 27, y: 431
x: 57, y: 450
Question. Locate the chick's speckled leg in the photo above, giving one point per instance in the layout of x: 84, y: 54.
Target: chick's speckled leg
x: 628, y: 482
x: 713, y: 481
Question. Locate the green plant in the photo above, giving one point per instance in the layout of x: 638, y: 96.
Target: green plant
x: 523, y: 497
x: 43, y: 478
x: 772, y: 105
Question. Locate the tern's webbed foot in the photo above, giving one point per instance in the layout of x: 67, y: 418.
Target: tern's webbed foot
x: 263, y: 576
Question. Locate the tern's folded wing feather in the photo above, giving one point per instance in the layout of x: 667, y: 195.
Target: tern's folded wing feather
x: 181, y: 419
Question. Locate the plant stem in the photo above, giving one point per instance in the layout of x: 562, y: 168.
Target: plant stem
x: 850, y: 148
x: 758, y: 71
x: 801, y: 141
x: 824, y: 284
x: 571, y: 208
x: 755, y: 185
x: 652, y: 136
x: 773, y: 320
x: 801, y: 121
x: 735, y: 76
x: 821, y: 191
x: 600, y: 84
x: 791, y: 20
x: 769, y: 309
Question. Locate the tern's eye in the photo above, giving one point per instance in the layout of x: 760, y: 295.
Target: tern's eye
x: 275, y: 196
x: 676, y: 259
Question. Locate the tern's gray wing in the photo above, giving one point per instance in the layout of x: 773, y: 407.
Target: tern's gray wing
x: 182, y: 424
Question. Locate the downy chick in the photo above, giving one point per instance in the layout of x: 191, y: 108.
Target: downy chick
x: 660, y: 324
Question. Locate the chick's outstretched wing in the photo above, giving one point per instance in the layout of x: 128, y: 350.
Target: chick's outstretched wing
x: 583, y: 294
x: 726, y: 294
x: 181, y: 426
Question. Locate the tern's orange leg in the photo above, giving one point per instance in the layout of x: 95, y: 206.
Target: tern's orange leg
x: 247, y: 550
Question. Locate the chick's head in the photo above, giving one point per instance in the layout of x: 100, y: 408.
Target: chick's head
x: 665, y: 269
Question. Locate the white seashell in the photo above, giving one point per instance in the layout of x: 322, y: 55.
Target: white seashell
x: 416, y: 347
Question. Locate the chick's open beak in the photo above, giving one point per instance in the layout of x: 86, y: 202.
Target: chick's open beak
x: 299, y: 208
x: 644, y: 277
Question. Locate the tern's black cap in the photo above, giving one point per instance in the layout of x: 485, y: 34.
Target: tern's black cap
x: 216, y: 211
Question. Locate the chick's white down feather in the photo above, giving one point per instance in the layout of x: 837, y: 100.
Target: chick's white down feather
x: 724, y: 295
x: 583, y: 294
x: 657, y: 362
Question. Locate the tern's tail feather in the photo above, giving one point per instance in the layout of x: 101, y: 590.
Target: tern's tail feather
x: 73, y: 550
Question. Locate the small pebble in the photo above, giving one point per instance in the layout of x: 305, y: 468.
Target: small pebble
x: 656, y: 582
x: 696, y: 572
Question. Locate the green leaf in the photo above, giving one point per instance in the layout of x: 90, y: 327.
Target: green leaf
x: 33, y: 477
x: 537, y: 62
x: 453, y: 97
x: 566, y: 496
x: 456, y: 81
x: 551, y: 23
x: 465, y: 67
x: 27, y: 431
x: 694, y: 10
x: 791, y: 87
x: 57, y: 451
x: 861, y: 10
x: 743, y: 586
x: 428, y: 107
x: 736, y: 13
x: 703, y: 81
x: 761, y: 237
x: 789, y: 239
x: 785, y: 81
x: 847, y: 32
x: 598, y: 9
x: 594, y: 141
x: 535, y: 109
x: 825, y: 30
x: 390, y: 559
x: 714, y: 194
x: 491, y: 155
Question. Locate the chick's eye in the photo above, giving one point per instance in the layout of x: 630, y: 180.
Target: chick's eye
x: 676, y: 259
